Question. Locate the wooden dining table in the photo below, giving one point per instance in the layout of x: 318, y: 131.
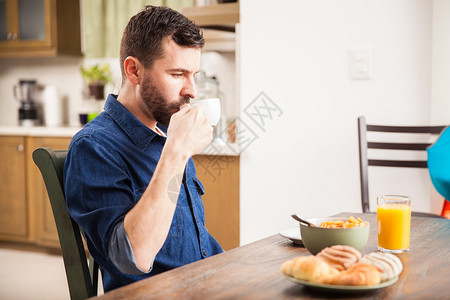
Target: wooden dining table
x: 253, y: 271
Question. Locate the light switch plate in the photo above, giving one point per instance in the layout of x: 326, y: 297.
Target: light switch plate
x: 361, y: 62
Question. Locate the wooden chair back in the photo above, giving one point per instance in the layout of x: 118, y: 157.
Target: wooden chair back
x: 365, y: 162
x: 82, y: 277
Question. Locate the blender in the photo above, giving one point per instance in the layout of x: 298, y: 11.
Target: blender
x: 29, y: 111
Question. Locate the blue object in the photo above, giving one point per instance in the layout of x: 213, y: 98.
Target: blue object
x: 109, y: 165
x: 439, y: 164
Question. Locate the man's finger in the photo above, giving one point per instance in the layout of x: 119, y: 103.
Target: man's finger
x: 185, y: 108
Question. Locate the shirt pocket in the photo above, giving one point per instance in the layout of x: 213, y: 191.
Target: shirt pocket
x: 197, y: 192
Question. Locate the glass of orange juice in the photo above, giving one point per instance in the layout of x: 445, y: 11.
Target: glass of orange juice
x: 393, y: 223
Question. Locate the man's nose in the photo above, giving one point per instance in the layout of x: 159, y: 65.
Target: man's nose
x: 189, y: 88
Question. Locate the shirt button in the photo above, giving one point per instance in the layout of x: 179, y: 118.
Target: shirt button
x: 205, y: 253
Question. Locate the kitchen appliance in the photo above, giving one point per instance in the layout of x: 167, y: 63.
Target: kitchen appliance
x: 29, y: 112
x: 52, y: 107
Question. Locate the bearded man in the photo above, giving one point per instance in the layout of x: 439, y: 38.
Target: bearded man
x: 129, y: 178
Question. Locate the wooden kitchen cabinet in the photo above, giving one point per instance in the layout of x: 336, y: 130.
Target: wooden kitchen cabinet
x: 218, y: 23
x: 219, y: 175
x: 14, y: 221
x: 222, y: 15
x: 44, y: 230
x: 37, y: 28
x: 25, y: 211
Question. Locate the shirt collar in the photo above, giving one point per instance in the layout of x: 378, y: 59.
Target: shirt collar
x: 140, y: 134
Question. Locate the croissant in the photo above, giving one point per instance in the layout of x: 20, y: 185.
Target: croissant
x: 356, y: 274
x: 310, y: 268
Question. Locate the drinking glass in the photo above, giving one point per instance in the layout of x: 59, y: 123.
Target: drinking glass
x: 393, y: 223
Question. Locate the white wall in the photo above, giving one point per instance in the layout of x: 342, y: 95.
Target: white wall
x: 440, y: 83
x: 440, y: 88
x: 297, y: 52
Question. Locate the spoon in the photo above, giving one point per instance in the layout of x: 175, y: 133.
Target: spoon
x: 302, y: 221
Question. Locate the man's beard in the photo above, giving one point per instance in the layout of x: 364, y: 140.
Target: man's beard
x: 156, y: 105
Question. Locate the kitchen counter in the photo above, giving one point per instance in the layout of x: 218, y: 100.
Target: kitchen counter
x: 215, y: 148
x: 39, y: 131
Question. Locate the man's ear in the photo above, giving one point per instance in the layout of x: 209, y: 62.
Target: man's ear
x: 133, y: 69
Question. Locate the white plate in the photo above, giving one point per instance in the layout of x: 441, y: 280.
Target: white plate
x: 343, y: 288
x: 293, y: 234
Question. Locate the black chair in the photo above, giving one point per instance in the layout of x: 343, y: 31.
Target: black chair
x: 365, y: 162
x: 82, y: 277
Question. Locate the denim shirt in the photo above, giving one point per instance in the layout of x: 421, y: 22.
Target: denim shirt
x: 109, y: 164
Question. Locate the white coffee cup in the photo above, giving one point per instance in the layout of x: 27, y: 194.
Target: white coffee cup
x: 211, y: 109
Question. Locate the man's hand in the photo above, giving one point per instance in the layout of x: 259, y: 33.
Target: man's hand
x: 189, y: 131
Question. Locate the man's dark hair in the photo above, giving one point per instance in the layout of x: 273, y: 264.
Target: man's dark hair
x: 145, y: 32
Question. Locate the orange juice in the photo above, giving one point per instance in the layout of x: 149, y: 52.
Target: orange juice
x: 393, y: 222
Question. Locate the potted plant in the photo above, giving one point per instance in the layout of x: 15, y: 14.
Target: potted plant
x: 96, y: 77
